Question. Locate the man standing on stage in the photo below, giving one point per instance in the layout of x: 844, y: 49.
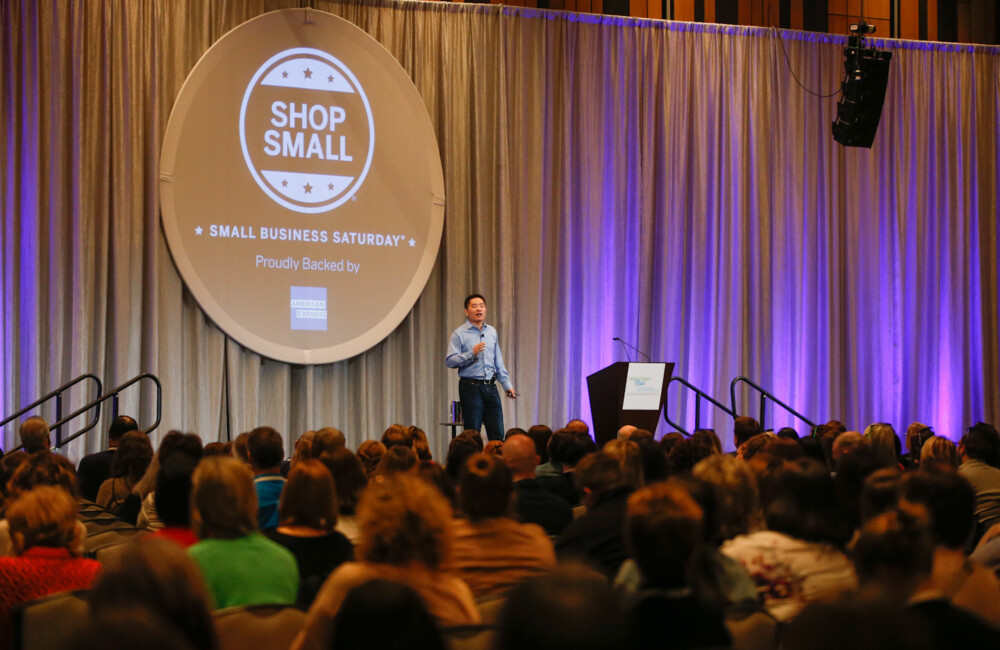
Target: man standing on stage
x: 475, y: 350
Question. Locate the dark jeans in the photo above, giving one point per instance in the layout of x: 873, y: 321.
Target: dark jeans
x: 481, y: 405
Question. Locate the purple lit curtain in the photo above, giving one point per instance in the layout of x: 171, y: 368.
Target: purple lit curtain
x: 667, y: 183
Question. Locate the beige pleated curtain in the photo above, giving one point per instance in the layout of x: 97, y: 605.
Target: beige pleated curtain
x: 667, y: 183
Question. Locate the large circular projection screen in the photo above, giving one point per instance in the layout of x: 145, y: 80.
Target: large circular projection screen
x: 301, y: 191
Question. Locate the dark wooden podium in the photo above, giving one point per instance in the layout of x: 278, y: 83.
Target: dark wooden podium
x: 607, y: 394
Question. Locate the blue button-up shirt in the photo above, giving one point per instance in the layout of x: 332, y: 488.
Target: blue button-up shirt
x: 487, y: 363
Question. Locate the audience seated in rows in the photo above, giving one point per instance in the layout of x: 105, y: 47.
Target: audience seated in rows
x: 596, y: 537
x: 36, y: 470
x: 406, y: 537
x: 159, y: 577
x: 491, y: 551
x: 266, y: 450
x: 307, y: 517
x: 534, y: 504
x: 797, y: 560
x: 96, y: 468
x: 174, y: 442
x: 240, y: 566
x: 46, y: 544
x: 131, y: 460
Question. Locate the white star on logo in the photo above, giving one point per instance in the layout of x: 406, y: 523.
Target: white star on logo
x: 197, y: 230
x: 413, y: 242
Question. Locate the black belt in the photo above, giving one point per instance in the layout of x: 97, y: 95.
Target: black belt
x: 476, y: 382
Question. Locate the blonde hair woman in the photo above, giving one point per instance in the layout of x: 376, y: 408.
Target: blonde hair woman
x: 405, y: 537
x: 939, y: 451
x: 240, y: 566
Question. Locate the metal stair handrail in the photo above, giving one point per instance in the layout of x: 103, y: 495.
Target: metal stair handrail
x: 699, y: 395
x: 764, y: 396
x: 57, y: 394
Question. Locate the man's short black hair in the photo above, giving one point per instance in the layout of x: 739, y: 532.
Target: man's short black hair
x: 981, y: 442
x: 469, y: 298
x: 120, y: 426
x: 265, y: 447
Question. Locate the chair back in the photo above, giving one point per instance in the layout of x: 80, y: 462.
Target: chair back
x: 51, y: 622
x: 260, y: 627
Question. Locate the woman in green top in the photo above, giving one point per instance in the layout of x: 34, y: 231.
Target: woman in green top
x: 240, y: 566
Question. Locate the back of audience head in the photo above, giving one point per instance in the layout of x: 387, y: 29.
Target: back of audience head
x: 597, y: 475
x: 744, y: 428
x: 556, y: 443
x: 265, y: 449
x: 758, y: 444
x: 459, y: 451
x: 578, y: 426
x: 434, y: 474
x: 326, y: 439
x: 949, y: 500
x: 654, y: 461
x: 668, y: 441
x: 521, y: 456
x: 485, y: 487
x: 570, y: 607
x: 880, y: 492
x: 119, y: 427
x: 158, y: 575
x: 183, y: 443
x: 223, y: 499
x: 43, y: 516
x: 395, y: 435
x: 916, y: 435
x: 836, y: 425
x: 629, y: 457
x: 303, y: 447
x: 541, y: 434
x: 882, y: 438
x: 894, y: 553
x: 172, y: 495
x: 217, y: 449
x: 370, y: 453
x: 844, y: 443
x: 812, y: 447
x: 396, y: 459
x: 852, y: 470
x: 575, y: 446
x: 788, y: 433
x: 360, y: 623
x: 939, y: 451
x: 709, y: 436
x: 8, y: 465
x: 639, y: 435
x: 34, y: 434
x: 240, y: 450
x: 663, y: 530
x: 421, y: 447
x: 43, y: 469
x: 981, y: 443
x: 133, y: 457
x: 737, y: 504
x: 800, y: 500
x: 474, y: 436
x: 403, y: 521
x: 309, y: 498
x: 624, y: 431
x: 686, y: 454
x: 349, y: 478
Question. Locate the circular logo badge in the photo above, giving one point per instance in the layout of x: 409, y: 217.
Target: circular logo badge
x: 306, y: 130
x: 301, y: 190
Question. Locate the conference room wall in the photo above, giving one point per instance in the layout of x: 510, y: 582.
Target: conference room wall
x: 668, y: 183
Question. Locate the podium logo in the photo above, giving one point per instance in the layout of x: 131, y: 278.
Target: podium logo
x: 306, y: 130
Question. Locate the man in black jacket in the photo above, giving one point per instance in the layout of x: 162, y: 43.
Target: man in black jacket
x: 96, y: 468
x: 534, y: 503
